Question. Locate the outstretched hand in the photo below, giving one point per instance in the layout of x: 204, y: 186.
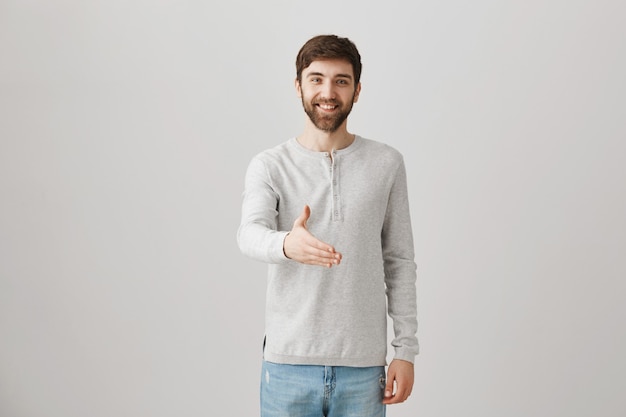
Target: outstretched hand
x: 400, y: 373
x: 301, y: 246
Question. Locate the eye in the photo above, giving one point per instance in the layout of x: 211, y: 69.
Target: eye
x: 316, y: 80
x: 342, y: 82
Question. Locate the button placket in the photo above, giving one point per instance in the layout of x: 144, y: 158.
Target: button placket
x: 334, y: 188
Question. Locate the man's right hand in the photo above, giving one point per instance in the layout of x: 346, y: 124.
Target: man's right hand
x: 301, y: 246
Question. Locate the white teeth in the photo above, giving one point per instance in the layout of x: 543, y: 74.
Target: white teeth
x: 327, y: 106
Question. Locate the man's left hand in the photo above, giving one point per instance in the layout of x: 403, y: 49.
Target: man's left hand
x: 401, y: 373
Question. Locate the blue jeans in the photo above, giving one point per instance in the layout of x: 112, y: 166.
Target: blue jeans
x: 321, y: 391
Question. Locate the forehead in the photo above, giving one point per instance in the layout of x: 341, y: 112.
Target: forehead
x: 330, y: 68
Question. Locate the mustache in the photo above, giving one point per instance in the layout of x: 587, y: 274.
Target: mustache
x: 329, y: 101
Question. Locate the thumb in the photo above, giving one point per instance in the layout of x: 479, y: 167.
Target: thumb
x: 389, y: 386
x: 304, y: 216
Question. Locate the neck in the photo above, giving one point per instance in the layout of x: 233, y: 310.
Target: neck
x: 320, y: 141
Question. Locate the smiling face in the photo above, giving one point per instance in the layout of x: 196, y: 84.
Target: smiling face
x: 328, y: 91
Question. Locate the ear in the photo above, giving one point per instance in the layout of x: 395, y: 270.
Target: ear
x: 357, y: 92
x: 298, y: 87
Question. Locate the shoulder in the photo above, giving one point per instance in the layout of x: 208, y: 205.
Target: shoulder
x: 381, y: 151
x: 274, y: 156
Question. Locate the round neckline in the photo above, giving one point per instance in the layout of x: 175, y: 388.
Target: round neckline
x: 356, y: 143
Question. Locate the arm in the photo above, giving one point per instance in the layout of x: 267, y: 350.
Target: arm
x: 400, y: 376
x: 258, y: 236
x: 400, y: 277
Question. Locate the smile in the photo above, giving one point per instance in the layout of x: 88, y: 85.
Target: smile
x: 327, y: 106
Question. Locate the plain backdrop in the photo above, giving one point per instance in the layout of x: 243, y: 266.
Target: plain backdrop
x: 126, y: 127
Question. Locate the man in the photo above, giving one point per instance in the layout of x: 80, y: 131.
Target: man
x: 328, y: 211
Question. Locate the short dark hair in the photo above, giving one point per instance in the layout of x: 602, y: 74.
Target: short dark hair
x: 328, y: 47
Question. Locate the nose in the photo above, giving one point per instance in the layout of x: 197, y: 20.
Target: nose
x: 328, y: 90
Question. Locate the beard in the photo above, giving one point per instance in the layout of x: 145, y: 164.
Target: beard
x: 325, y: 122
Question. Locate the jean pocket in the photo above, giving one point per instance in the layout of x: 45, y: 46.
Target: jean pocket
x: 382, y: 381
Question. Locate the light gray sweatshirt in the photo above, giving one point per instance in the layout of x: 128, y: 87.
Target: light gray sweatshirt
x: 358, y: 197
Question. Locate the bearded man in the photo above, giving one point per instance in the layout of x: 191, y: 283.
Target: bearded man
x: 328, y: 212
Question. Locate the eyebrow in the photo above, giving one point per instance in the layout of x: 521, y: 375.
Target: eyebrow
x: 319, y: 74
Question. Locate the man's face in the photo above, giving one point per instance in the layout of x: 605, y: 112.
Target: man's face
x: 328, y: 92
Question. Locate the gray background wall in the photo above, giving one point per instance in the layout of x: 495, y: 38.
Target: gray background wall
x: 125, y: 131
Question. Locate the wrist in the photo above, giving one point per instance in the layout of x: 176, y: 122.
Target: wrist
x: 284, y: 250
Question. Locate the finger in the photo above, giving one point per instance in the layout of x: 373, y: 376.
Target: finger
x: 314, y: 259
x: 318, y: 262
x: 403, y: 390
x: 314, y: 242
x: 324, y: 252
x: 402, y: 393
x: 319, y: 248
x: 320, y: 252
x: 393, y: 400
x: 304, y: 216
x: 317, y: 259
x: 389, y: 386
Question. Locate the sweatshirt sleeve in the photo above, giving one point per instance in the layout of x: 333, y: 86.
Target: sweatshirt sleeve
x: 400, y: 269
x: 257, y: 235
